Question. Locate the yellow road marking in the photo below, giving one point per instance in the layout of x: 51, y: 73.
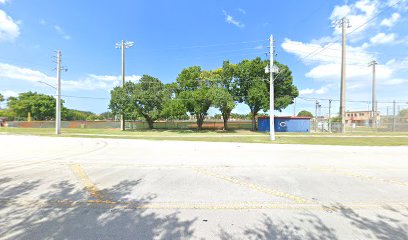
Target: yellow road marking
x: 90, y: 187
x: 363, y: 177
x: 252, y: 186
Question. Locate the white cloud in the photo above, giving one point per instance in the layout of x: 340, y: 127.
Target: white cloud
x: 61, y: 32
x: 359, y: 14
x: 323, y: 55
x: 9, y: 29
x: 90, y: 82
x: 355, y: 73
x: 4, y: 1
x: 326, y: 65
x: 394, y: 81
x: 241, y: 10
x: 383, y: 38
x: 18, y: 73
x: 230, y: 19
x: 9, y: 93
x: 328, y: 53
x: 43, y: 22
x: 389, y: 22
x: 308, y: 91
x: 399, y: 5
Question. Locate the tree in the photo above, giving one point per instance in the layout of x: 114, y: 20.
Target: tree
x: 285, y: 91
x: 107, y: 115
x: 224, y: 101
x: 251, y: 86
x: 8, y: 114
x: 174, y: 109
x: 121, y: 103
x: 403, y: 113
x: 305, y: 113
x: 41, y: 106
x: 224, y: 94
x: 1, y: 99
x: 76, y: 115
x: 145, y: 98
x: 195, y: 93
x: 149, y: 96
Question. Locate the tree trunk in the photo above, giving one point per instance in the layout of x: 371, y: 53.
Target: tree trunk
x: 225, y: 117
x: 254, y: 128
x: 150, y: 122
x: 200, y: 121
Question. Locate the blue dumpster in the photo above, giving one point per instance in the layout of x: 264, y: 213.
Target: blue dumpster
x: 285, y: 124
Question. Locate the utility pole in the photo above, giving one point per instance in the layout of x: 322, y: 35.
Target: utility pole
x: 344, y: 22
x: 58, y: 101
x: 294, y: 108
x: 272, y: 68
x: 373, y: 100
x: 330, y: 101
x: 123, y: 45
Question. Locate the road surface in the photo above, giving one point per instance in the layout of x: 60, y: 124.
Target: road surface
x: 83, y: 188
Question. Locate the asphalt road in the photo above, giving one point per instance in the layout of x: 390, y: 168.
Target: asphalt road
x: 81, y: 188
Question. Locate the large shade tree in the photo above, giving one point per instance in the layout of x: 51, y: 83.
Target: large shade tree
x: 223, y: 90
x: 145, y: 98
x: 40, y: 106
x: 252, y: 86
x: 120, y: 102
x: 196, y: 92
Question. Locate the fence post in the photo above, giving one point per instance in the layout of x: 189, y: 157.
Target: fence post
x: 393, y: 116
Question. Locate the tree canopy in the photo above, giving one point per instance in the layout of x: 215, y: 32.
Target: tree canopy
x: 305, y: 113
x: 196, y: 90
x: 252, y: 86
x: 40, y: 106
x: 145, y: 99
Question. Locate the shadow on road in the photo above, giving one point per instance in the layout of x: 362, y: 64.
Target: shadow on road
x: 310, y: 227
x: 27, y: 221
x: 20, y: 220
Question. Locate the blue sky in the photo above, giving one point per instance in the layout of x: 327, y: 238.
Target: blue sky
x: 172, y: 35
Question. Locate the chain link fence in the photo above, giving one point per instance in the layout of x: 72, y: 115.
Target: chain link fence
x: 134, y: 125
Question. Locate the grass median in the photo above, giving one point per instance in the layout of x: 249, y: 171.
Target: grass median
x: 244, y: 136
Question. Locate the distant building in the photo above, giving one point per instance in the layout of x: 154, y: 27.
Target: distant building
x: 360, y: 118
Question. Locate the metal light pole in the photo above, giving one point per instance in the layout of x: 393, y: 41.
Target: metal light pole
x: 123, y: 45
x: 58, y: 103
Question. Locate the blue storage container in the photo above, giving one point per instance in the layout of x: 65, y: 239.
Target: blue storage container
x: 285, y: 124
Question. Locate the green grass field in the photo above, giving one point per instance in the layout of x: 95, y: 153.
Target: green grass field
x: 356, y: 138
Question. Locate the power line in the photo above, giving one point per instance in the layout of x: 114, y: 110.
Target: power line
x: 212, y: 45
